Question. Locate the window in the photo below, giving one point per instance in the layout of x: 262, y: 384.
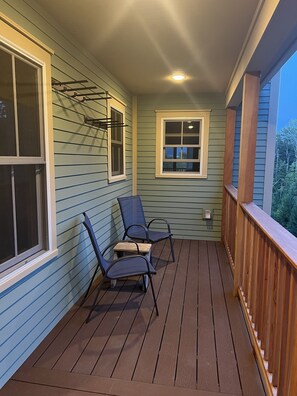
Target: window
x: 182, y: 143
x: 27, y: 212
x: 116, y: 141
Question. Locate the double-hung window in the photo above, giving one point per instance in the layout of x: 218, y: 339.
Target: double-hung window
x: 182, y: 143
x: 27, y: 232
x: 116, y: 141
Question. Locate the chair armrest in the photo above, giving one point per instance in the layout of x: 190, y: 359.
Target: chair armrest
x: 159, y: 219
x: 146, y: 268
x: 138, y: 225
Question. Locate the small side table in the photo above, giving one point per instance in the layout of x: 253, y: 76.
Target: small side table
x: 130, y: 247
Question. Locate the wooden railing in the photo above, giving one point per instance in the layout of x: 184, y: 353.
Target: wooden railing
x: 268, y: 293
x: 229, y: 227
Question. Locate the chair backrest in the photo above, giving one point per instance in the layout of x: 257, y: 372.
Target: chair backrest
x: 101, y: 260
x: 132, y: 210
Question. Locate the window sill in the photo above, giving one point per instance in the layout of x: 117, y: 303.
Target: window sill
x: 117, y: 178
x: 181, y: 176
x: 15, y: 276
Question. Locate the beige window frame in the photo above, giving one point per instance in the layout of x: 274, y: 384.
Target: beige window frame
x: 27, y: 47
x: 200, y: 116
x: 116, y: 145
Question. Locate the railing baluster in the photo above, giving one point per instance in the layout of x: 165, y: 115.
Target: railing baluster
x: 284, y: 339
x: 272, y: 330
x: 268, y: 302
x: 280, y: 295
x: 292, y: 377
x: 245, y: 257
x: 254, y: 282
x: 261, y: 270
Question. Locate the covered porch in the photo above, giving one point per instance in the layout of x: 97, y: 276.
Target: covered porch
x: 199, y: 345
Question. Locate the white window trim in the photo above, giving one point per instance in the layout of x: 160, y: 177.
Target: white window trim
x: 23, y: 42
x: 121, y: 107
x: 204, y: 117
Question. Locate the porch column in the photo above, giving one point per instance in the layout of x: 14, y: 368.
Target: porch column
x: 249, y: 118
x: 228, y: 160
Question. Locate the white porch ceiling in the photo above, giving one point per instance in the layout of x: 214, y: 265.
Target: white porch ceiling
x: 142, y: 41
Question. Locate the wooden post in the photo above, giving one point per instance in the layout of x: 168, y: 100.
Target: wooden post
x: 249, y: 119
x: 228, y: 160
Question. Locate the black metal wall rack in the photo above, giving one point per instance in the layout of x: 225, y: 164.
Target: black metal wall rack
x: 76, y: 89
x: 103, y: 123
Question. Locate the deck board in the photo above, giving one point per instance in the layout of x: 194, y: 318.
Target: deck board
x: 146, y: 364
x: 227, y: 366
x: 167, y: 359
x: 186, y: 375
x: 198, y: 345
x: 207, y: 372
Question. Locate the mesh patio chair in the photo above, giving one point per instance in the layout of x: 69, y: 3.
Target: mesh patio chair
x: 136, y: 227
x: 123, y: 267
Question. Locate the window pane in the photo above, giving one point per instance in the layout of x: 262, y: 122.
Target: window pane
x: 172, y: 140
x: 181, y: 167
x: 192, y: 127
x: 190, y: 153
x: 172, y: 153
x: 7, y: 117
x: 117, y: 144
x: 191, y: 140
x: 191, y: 132
x: 169, y: 166
x: 26, y: 207
x: 173, y: 127
x: 117, y: 167
x: 116, y: 131
x: 28, y: 109
x: 6, y: 215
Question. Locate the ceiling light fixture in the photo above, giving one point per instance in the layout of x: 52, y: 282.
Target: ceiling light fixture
x: 178, y: 76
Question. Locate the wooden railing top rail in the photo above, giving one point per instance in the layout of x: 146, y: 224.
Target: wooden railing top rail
x: 232, y: 191
x: 278, y: 235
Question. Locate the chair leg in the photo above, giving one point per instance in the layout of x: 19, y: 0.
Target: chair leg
x: 154, y: 296
x: 95, y: 299
x: 144, y: 283
x: 90, y: 284
x: 172, y: 251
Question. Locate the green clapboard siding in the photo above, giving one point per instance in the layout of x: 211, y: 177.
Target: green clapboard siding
x: 181, y: 201
x: 31, y: 308
x: 261, y: 143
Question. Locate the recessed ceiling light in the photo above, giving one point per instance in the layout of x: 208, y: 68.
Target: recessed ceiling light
x: 178, y: 76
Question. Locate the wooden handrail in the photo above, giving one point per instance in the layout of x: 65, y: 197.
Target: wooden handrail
x: 232, y: 191
x: 282, y: 239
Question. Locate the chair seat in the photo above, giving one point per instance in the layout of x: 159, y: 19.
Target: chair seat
x: 127, y: 267
x: 154, y: 236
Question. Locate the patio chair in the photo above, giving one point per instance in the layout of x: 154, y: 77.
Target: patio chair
x: 123, y: 267
x: 136, y: 227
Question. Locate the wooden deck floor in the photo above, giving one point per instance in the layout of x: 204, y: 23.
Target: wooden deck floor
x: 197, y: 346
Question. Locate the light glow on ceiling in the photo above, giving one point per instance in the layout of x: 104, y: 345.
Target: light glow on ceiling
x: 178, y: 76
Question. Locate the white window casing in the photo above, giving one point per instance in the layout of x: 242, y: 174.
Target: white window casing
x: 116, y: 146
x: 31, y: 50
x: 201, y: 118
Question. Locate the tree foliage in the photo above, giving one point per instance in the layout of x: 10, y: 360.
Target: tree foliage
x: 284, y: 195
